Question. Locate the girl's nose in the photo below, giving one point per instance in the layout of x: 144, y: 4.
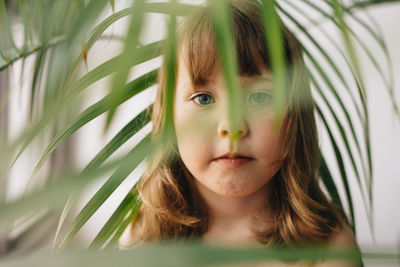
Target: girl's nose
x: 224, y: 131
x: 224, y: 128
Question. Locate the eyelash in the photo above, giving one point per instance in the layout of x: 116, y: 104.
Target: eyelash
x: 201, y: 94
x: 266, y: 95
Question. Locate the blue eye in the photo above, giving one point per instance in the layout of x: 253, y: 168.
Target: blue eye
x: 203, y: 99
x: 260, y: 97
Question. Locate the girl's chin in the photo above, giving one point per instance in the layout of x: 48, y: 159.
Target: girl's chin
x: 233, y: 192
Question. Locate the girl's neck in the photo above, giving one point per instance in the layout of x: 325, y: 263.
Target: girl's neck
x: 233, y: 220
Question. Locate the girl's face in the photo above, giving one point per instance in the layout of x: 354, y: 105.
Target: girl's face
x: 201, y: 118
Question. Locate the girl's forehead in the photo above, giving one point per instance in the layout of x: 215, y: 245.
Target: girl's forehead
x: 199, y: 66
x: 216, y: 78
x: 263, y: 79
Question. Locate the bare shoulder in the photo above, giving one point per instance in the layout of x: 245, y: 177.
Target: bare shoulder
x: 342, y: 239
x: 129, y: 237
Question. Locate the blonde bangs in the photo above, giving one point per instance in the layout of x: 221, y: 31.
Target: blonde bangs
x: 197, y: 38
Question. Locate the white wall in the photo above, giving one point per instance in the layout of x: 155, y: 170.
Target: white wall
x: 384, y: 128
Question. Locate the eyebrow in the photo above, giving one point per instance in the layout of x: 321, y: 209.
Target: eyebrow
x: 246, y: 82
x: 257, y: 81
x: 188, y: 87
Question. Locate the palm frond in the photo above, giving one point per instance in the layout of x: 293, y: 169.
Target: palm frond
x: 60, y: 34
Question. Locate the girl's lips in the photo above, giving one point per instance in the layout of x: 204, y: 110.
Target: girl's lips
x: 232, y: 163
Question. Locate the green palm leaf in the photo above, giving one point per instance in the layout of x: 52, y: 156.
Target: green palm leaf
x: 332, y: 88
x: 59, y: 33
x: 95, y: 110
x: 130, y: 202
x: 136, y: 155
x: 229, y: 61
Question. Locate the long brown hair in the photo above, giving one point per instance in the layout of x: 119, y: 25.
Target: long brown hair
x: 171, y: 205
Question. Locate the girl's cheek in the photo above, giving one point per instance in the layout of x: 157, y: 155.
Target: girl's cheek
x: 259, y: 112
x: 195, y: 123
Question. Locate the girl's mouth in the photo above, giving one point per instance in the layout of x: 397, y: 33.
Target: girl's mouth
x: 232, y: 162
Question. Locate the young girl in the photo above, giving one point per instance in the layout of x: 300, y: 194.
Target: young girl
x: 258, y: 185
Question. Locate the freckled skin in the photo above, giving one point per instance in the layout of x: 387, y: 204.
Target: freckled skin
x: 203, y: 134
